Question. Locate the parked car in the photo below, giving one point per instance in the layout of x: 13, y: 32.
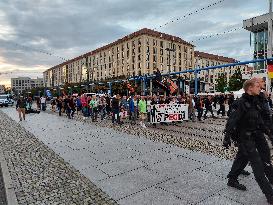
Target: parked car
x: 4, y: 100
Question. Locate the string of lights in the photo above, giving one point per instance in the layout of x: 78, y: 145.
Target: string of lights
x: 189, y: 14
x: 217, y: 34
x: 38, y: 50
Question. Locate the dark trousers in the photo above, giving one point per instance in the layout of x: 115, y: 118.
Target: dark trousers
x: 253, y: 148
x: 222, y: 110
x: 60, y: 110
x: 116, y: 116
x: 68, y: 112
x: 208, y: 109
x: 199, y: 113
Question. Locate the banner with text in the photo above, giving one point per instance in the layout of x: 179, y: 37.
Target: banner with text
x: 169, y: 113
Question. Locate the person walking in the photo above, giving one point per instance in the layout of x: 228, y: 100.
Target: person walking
x: 142, y: 104
x: 59, y: 103
x: 94, y: 108
x: 221, y: 101
x: 244, y: 127
x: 43, y: 102
x: 199, y: 107
x: 21, y: 107
x: 115, y: 109
x: 132, y: 115
x: 208, y: 106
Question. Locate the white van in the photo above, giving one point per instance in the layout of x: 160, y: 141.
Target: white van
x: 4, y: 100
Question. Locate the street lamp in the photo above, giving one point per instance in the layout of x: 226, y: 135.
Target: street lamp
x: 169, y: 64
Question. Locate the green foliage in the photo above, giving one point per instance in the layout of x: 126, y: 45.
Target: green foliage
x: 221, y: 83
x: 236, y: 81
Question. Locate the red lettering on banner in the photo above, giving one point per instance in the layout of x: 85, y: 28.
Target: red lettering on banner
x: 161, y: 105
x: 173, y: 117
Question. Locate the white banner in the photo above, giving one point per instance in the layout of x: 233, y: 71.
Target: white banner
x: 169, y: 113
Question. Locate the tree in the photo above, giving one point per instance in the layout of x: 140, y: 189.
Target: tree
x: 221, y: 83
x: 236, y: 81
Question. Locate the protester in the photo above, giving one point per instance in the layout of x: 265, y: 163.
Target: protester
x: 21, y: 107
x: 143, y: 111
x: 94, y: 108
x: 115, y: 109
x: 43, y: 102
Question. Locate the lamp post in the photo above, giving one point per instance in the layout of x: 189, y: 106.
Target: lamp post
x: 269, y: 43
x: 169, y: 50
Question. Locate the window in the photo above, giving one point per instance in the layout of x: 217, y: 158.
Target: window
x: 161, y: 44
x: 154, y: 42
x: 161, y: 59
x: 139, y: 57
x: 148, y: 65
x: 154, y: 50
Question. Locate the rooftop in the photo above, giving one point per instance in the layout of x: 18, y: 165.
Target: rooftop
x: 257, y: 23
x: 144, y: 31
x: 214, y: 57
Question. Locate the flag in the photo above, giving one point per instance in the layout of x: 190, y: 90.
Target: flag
x: 172, y: 86
x: 270, y: 69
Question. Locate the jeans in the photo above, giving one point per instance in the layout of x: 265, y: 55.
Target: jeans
x: 103, y: 113
x: 116, y: 117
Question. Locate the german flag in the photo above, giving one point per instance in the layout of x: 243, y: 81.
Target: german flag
x: 270, y: 69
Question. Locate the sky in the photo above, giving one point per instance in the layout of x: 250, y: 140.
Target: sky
x: 68, y: 28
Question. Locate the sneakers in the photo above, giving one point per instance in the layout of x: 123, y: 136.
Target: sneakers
x: 235, y: 184
x: 245, y: 173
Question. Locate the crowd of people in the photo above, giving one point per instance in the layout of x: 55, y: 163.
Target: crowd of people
x: 136, y: 107
x: 133, y: 107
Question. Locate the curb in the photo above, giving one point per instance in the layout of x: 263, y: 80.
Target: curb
x: 9, y: 189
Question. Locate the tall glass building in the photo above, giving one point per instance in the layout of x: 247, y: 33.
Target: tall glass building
x: 258, y: 26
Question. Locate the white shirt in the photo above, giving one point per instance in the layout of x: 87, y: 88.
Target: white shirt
x: 43, y: 100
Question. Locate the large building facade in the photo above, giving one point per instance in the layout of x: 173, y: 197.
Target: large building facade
x: 21, y: 84
x: 136, y: 54
x: 258, y: 26
x: 208, y: 77
x: 140, y: 53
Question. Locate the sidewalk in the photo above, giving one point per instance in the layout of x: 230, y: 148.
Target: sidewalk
x: 135, y: 170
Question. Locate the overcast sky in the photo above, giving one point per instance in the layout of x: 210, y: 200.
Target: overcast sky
x: 69, y: 28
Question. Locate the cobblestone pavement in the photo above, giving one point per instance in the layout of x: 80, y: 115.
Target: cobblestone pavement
x: 2, y: 190
x: 134, y: 170
x: 39, y: 175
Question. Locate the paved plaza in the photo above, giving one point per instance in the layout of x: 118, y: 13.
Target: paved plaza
x: 123, y: 168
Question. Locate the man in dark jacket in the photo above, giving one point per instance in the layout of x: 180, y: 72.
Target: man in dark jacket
x: 21, y: 107
x: 221, y: 101
x: 208, y: 106
x: 116, y: 109
x: 245, y: 126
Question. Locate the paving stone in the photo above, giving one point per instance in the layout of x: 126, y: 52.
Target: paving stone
x: 152, y: 196
x: 219, y: 200
x: 39, y: 174
x: 130, y: 182
x: 122, y: 166
x: 194, y: 186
